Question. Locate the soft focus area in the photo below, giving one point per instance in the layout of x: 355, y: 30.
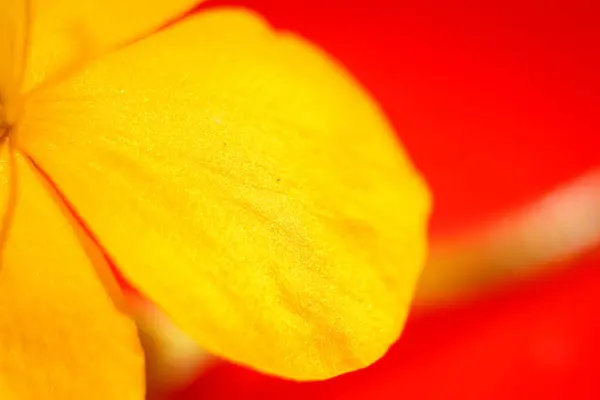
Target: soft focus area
x: 498, y: 104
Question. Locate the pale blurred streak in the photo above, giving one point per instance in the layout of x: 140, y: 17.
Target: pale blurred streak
x: 172, y: 358
x: 538, y: 239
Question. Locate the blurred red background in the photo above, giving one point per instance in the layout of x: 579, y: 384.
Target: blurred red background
x: 497, y: 103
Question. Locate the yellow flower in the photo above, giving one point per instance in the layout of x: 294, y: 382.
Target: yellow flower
x: 234, y: 174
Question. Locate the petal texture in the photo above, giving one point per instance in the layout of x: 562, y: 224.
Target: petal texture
x: 245, y: 183
x: 61, y: 336
x: 67, y: 33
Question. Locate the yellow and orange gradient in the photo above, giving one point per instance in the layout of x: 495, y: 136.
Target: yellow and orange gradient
x: 236, y: 176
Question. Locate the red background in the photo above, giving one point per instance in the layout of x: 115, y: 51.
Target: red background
x: 497, y: 103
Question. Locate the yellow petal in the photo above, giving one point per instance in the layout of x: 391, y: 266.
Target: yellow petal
x: 67, y: 33
x: 61, y: 337
x: 246, y: 184
x: 13, y: 26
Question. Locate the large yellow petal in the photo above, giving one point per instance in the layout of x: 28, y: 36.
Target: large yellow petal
x: 246, y: 184
x: 67, y: 33
x: 61, y: 336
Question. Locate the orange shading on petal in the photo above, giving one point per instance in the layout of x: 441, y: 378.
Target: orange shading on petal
x: 246, y: 184
x: 7, y: 184
x: 66, y: 33
x: 61, y: 336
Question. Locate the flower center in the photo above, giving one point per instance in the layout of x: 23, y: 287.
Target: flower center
x: 9, y: 112
x: 3, y: 124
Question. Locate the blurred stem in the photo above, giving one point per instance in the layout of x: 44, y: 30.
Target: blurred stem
x: 535, y: 240
x: 172, y: 358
